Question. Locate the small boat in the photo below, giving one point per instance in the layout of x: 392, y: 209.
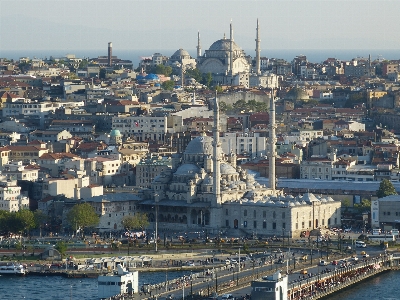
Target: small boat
x: 12, y: 269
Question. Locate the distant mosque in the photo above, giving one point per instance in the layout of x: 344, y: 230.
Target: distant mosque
x: 230, y: 65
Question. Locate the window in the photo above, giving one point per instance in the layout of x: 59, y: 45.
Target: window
x: 283, y: 225
x: 309, y: 224
x: 226, y: 212
x: 254, y: 214
x: 283, y: 215
x: 274, y: 215
x: 274, y: 225
x: 245, y: 224
x: 245, y: 213
x: 227, y: 223
x: 265, y: 225
x: 264, y: 214
x: 255, y: 224
x: 302, y: 225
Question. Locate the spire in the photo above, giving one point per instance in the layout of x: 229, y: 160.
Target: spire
x: 216, y: 154
x: 258, y: 49
x: 198, y: 44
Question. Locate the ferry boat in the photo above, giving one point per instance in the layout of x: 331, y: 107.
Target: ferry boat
x: 121, y: 282
x: 12, y: 269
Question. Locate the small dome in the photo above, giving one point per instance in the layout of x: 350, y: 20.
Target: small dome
x: 115, y: 132
x: 227, y: 169
x: 187, y: 169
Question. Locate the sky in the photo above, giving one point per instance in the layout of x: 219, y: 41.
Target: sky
x: 167, y: 24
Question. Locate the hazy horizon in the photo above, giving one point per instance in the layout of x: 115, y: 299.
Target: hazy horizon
x: 172, y: 24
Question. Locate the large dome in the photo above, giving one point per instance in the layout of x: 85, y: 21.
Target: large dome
x: 200, y: 145
x: 224, y: 45
x: 179, y: 54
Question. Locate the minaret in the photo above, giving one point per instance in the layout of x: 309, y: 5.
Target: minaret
x: 198, y: 45
x: 272, y: 141
x: 231, y: 50
x: 216, y: 154
x: 258, y: 49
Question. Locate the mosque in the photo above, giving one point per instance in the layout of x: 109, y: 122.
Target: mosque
x: 206, y: 190
x: 228, y: 63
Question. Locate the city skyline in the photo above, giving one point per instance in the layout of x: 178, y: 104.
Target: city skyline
x: 70, y: 25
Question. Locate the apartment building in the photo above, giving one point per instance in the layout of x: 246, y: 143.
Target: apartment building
x: 141, y: 127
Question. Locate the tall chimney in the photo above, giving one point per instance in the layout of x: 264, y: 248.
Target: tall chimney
x: 272, y: 140
x: 109, y: 54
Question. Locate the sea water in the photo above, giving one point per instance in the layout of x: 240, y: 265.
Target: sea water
x: 382, y: 287
x: 61, y: 288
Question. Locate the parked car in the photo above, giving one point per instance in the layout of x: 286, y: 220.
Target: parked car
x: 304, y: 271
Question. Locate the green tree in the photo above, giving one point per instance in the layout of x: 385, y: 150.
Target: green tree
x: 386, y: 188
x: 364, y: 205
x: 61, y: 247
x: 218, y: 88
x: 83, y: 64
x: 137, y: 221
x: 39, y: 217
x: 102, y: 73
x: 164, y: 70
x: 207, y: 79
x: 82, y: 215
x: 195, y: 74
x: 24, y: 220
x: 223, y: 106
x: 168, y: 85
x: 346, y: 204
x: 240, y: 105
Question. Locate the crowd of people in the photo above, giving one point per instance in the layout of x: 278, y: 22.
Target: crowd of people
x: 326, y: 285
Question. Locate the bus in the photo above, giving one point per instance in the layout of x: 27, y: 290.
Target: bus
x: 382, y: 238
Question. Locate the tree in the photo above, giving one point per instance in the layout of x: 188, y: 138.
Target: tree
x: 194, y: 73
x: 219, y: 89
x: 164, y: 70
x: 26, y: 218
x: 207, y: 79
x: 386, y: 188
x: 365, y: 205
x: 138, y: 221
x: 61, y: 247
x: 346, y: 204
x: 82, y: 215
x: 39, y: 217
x: 223, y: 106
x: 168, y: 85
